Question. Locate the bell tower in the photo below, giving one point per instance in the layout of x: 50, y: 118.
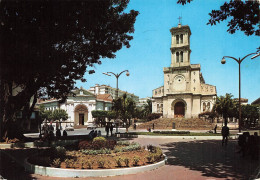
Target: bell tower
x: 180, y: 46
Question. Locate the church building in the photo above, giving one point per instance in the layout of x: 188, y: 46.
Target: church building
x: 80, y: 105
x: 184, y: 93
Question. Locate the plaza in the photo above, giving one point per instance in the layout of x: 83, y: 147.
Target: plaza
x: 66, y: 114
x: 187, y: 158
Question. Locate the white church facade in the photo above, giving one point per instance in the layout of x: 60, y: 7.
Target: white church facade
x: 184, y: 93
x: 79, y: 107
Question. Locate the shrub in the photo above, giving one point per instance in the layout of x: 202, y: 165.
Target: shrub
x: 123, y: 143
x: 82, y: 165
x: 110, y: 144
x: 89, y: 152
x: 154, y: 116
x: 95, y: 152
x: 101, y: 163
x: 136, y: 160
x: 150, y: 158
x: 97, y: 144
x: 89, y: 164
x: 118, y: 149
x: 60, y: 151
x: 157, y: 154
x: 56, y: 162
x: 69, y: 163
x: 150, y: 148
x: 132, y: 147
x: 126, y: 160
x: 99, y: 139
x: 119, y: 161
x: 84, y: 145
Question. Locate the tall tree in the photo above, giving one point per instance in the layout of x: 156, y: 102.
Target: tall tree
x: 47, y: 45
x: 148, y: 108
x: 125, y: 109
x: 241, y: 15
x: 225, y: 106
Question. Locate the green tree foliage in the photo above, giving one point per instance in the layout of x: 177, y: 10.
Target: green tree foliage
x: 100, y: 116
x: 57, y: 114
x: 249, y: 114
x: 144, y: 111
x: 147, y: 109
x: 153, y: 116
x: 225, y: 106
x: 111, y: 115
x: 47, y: 45
x: 125, y: 108
x: 241, y: 15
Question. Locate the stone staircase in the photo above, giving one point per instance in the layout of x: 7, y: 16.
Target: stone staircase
x: 180, y: 124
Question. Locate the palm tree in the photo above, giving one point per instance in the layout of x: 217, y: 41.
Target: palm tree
x: 225, y: 106
x: 147, y: 108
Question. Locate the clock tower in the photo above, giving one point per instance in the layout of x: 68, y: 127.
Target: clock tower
x: 180, y: 46
x: 184, y: 93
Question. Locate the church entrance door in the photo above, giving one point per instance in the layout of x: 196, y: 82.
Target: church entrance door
x: 179, y: 109
x: 81, y: 119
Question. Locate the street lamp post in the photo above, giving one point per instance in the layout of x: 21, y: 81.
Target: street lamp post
x: 117, y: 76
x: 239, y: 61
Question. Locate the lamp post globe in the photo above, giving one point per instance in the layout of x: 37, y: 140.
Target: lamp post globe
x: 223, y: 61
x: 127, y: 73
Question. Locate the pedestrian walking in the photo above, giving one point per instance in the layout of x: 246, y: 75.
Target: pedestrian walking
x: 111, y: 129
x: 153, y: 126
x: 107, y: 129
x: 225, y: 134
x: 256, y: 144
x: 215, y: 129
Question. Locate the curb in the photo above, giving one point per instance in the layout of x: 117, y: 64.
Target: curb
x: 60, y: 172
x: 187, y: 137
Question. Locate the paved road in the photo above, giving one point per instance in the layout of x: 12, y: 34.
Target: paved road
x: 187, y: 159
x: 83, y: 131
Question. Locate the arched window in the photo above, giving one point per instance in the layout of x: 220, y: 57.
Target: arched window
x: 181, y: 56
x: 177, y: 57
x: 204, y: 107
x: 177, y: 39
x: 181, y: 38
x: 208, y: 106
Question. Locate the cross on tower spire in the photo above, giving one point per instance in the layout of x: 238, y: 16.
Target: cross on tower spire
x: 179, y: 19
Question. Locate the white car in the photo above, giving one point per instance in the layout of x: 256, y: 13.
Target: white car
x: 69, y: 128
x: 91, y: 126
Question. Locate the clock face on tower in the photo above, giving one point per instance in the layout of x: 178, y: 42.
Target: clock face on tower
x: 179, y: 83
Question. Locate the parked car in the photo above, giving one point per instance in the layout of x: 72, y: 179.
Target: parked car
x: 91, y: 126
x: 69, y: 128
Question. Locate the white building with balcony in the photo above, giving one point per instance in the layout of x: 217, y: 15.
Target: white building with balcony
x: 105, y: 89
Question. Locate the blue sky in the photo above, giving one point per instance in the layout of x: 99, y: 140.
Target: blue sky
x: 150, y: 50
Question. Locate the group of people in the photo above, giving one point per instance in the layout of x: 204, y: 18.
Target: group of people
x: 109, y: 126
x: 92, y: 134
x: 47, y: 132
x: 249, y: 144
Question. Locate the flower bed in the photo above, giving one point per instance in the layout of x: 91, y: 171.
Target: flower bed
x: 99, y: 154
